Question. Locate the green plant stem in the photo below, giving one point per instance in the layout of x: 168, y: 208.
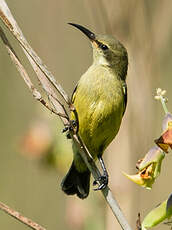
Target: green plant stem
x: 164, y: 104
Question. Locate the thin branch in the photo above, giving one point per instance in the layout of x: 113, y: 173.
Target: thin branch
x: 36, y: 94
x: 20, y: 217
x: 11, y: 24
x: 49, y: 83
x: 138, y: 223
x: 44, y: 76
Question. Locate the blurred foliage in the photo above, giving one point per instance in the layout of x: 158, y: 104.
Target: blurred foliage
x: 44, y: 142
x: 145, y: 28
x: 149, y: 168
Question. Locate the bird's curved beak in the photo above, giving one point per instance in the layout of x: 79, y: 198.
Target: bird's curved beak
x: 87, y: 32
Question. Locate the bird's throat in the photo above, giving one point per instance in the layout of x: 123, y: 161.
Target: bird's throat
x: 101, y: 61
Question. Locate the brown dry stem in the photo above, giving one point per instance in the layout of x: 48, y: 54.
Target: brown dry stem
x: 20, y: 217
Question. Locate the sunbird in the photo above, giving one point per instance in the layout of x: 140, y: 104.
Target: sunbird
x: 100, y: 99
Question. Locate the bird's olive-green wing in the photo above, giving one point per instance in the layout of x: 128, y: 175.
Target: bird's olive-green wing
x: 74, y: 94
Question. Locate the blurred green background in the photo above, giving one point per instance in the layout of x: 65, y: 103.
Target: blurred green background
x: 35, y: 155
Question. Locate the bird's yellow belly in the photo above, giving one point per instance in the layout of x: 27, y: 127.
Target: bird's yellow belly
x: 99, y: 102
x: 99, y: 120
x: 99, y: 127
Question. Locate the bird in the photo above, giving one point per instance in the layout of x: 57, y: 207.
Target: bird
x: 100, y: 99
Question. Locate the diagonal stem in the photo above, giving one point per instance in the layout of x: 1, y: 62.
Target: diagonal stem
x: 30, y: 223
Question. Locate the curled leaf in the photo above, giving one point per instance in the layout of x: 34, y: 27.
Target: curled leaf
x: 141, y: 179
x: 159, y: 214
x: 148, y: 168
x: 165, y: 140
x: 169, y: 203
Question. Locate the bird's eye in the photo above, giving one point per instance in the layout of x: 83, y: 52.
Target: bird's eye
x: 103, y: 47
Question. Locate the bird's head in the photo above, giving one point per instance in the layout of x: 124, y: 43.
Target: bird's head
x: 107, y: 51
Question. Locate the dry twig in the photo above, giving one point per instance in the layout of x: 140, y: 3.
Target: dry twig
x: 20, y: 217
x: 138, y: 223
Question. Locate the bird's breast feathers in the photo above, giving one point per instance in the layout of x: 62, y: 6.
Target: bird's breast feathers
x: 99, y: 101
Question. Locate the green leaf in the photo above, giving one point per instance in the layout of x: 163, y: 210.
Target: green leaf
x: 159, y: 214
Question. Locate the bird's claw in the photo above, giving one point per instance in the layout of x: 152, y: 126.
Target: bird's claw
x: 69, y: 128
x: 102, y: 181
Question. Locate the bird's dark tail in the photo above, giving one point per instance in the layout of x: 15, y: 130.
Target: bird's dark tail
x: 76, y: 182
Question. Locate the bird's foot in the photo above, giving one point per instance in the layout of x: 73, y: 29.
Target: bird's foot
x: 102, y: 182
x: 69, y: 128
